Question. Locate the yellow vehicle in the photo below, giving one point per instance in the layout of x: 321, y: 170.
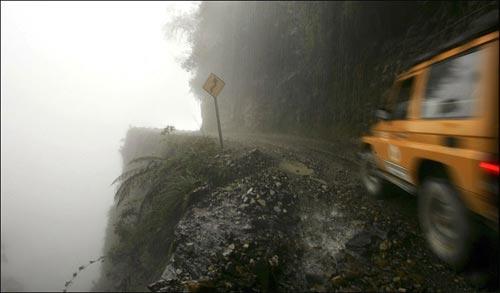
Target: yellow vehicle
x: 437, y: 137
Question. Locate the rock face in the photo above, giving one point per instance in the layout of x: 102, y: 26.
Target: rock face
x: 259, y: 232
x: 236, y: 238
x: 315, y: 68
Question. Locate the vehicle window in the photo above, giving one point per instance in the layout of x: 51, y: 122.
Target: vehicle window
x: 451, y: 87
x: 400, y: 110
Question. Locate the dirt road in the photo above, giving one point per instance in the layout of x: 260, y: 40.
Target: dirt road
x: 301, y: 221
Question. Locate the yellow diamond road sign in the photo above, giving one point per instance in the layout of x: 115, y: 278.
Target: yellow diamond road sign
x: 213, y: 85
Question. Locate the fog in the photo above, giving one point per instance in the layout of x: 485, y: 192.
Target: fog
x: 74, y: 77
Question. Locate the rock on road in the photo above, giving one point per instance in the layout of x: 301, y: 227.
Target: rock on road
x: 301, y: 221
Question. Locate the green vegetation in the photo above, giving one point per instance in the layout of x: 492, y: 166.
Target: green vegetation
x: 315, y: 69
x: 154, y: 192
x: 311, y: 68
x: 68, y: 283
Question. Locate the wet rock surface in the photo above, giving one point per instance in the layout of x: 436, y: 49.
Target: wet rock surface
x: 275, y: 229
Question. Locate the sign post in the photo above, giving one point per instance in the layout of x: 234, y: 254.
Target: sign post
x: 214, y: 86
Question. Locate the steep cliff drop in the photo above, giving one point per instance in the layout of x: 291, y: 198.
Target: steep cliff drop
x: 269, y: 215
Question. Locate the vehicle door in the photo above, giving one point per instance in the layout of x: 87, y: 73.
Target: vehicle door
x: 402, y: 114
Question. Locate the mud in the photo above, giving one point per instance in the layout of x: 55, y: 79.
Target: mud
x: 301, y: 222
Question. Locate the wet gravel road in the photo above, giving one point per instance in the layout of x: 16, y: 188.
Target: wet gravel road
x: 301, y: 221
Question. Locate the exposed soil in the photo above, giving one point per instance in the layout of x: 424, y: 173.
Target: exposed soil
x: 298, y: 219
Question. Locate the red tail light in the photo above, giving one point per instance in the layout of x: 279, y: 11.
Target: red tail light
x: 493, y: 168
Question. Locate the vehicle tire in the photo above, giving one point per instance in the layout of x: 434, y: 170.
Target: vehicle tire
x: 445, y: 222
x: 374, y: 184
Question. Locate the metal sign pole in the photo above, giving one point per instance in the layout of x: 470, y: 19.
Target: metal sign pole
x: 213, y: 86
x: 218, y: 122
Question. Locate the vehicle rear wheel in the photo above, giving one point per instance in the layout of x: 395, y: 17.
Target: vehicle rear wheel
x: 445, y: 222
x: 374, y: 184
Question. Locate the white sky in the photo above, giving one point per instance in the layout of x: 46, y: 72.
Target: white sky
x: 74, y: 76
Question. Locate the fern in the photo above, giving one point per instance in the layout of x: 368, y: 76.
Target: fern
x: 140, y: 176
x: 153, y: 173
x: 127, y: 174
x: 145, y: 224
x: 146, y: 159
x: 129, y: 183
x: 159, y: 175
